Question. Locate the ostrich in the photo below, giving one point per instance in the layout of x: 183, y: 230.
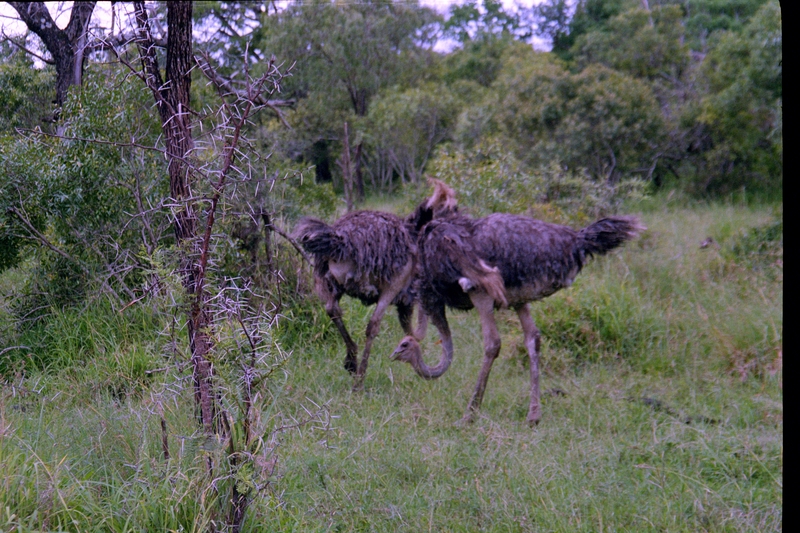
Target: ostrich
x: 461, y: 261
x: 371, y: 256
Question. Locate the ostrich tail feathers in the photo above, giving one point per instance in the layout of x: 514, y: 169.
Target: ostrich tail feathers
x: 609, y: 233
x: 317, y: 238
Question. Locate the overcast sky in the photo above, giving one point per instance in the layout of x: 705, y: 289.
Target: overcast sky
x: 10, y: 24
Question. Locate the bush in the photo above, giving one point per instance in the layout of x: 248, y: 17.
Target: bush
x: 489, y: 180
x: 759, y: 248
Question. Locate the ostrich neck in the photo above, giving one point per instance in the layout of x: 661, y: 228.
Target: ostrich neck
x: 428, y: 372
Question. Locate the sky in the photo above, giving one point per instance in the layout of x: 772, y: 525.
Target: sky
x: 10, y: 24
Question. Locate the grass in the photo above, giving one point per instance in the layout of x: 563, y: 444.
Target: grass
x: 661, y: 333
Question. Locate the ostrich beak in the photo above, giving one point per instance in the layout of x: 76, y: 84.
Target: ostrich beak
x: 399, y: 350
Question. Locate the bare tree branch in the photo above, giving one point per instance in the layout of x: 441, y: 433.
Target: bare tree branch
x: 291, y: 241
x: 27, y: 51
x: 226, y: 85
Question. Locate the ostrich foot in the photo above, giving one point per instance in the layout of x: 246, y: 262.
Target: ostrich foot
x: 467, y: 419
x: 358, y: 385
x: 534, y: 416
x: 350, y: 364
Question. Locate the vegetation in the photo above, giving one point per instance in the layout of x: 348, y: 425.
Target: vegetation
x: 662, y: 333
x: 146, y: 253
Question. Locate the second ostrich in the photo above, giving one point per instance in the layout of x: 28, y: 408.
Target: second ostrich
x: 497, y: 261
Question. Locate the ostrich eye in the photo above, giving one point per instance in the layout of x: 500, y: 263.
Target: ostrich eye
x: 404, y: 344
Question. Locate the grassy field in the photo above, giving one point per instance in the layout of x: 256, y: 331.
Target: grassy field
x: 662, y: 411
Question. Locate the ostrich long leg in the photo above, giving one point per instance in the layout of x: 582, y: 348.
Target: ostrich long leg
x: 405, y: 315
x: 331, y: 299
x: 532, y: 343
x: 335, y: 312
x: 372, y: 331
x: 491, y: 346
x: 422, y: 324
x: 374, y: 325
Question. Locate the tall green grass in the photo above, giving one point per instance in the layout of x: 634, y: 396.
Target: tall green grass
x: 662, y: 410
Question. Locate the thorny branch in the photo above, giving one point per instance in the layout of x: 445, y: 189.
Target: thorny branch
x: 291, y: 241
x: 225, y: 87
x: 253, y: 91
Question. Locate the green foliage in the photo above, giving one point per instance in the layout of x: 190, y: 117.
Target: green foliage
x: 295, y: 194
x: 344, y: 54
x: 588, y: 16
x: 743, y: 106
x: 705, y: 17
x: 643, y: 44
x: 405, y: 126
x: 77, y: 337
x: 488, y: 180
x: 477, y: 61
x: 25, y: 92
x: 80, y: 196
x: 353, y: 49
x: 483, y: 21
x: 714, y: 67
x: 759, y: 247
x: 682, y: 120
x: 600, y: 119
x: 602, y: 323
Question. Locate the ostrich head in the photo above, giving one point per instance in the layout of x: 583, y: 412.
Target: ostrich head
x: 408, y: 351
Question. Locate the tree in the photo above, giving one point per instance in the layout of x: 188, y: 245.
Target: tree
x: 68, y: 47
x: 552, y: 21
x: 347, y: 52
x: 551, y: 18
x: 644, y: 44
x: 476, y: 61
x: 172, y: 100
x: 406, y: 126
x: 599, y: 119
x: 73, y: 206
x: 742, y: 107
x: 706, y: 17
x: 484, y: 20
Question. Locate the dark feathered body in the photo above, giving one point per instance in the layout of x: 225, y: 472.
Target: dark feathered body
x: 534, y: 258
x: 361, y: 253
x: 447, y: 253
x: 371, y: 256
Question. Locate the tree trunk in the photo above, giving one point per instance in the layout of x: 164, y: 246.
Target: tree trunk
x: 67, y: 46
x: 172, y: 99
x: 358, y: 97
x: 358, y: 174
x: 177, y: 131
x: 361, y: 111
x: 347, y: 174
